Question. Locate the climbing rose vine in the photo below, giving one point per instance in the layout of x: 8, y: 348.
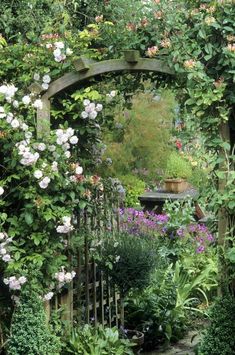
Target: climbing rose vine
x: 41, y: 185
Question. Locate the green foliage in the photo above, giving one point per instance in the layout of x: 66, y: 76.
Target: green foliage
x: 219, y: 337
x: 181, y: 213
x: 89, y: 340
x: 128, y: 260
x: 198, y: 178
x: 30, y: 333
x: 26, y: 20
x: 134, y: 187
x: 153, y: 311
x: 163, y: 310
x: 5, y: 313
x: 177, y: 167
x: 139, y: 140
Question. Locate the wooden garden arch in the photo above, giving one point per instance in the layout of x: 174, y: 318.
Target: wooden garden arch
x: 86, y: 69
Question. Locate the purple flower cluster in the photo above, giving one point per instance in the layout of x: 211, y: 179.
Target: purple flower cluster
x: 150, y: 224
x: 142, y: 223
x: 201, y: 235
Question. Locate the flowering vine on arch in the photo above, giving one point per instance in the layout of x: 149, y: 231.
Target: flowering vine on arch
x: 41, y: 185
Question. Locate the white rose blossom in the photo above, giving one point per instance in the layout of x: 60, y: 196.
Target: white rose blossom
x: 44, y: 182
x: 22, y: 280
x: 65, y: 146
x: 46, y: 79
x: 2, y: 112
x: 38, y: 174
x: 66, y: 227
x: 57, y: 52
x: 29, y: 158
x: 1, y: 190
x: 41, y: 147
x: 113, y: 93
x: 8, y: 91
x: 84, y: 114
x: 63, y: 277
x: 45, y: 86
x: 14, y: 283
x: 70, y: 131
x: 73, y: 140
x: 67, y: 154
x: 79, y: 170
x: 54, y: 166
x: 93, y: 115
x: 2, y: 235
x: 68, y: 51
x: 59, y: 45
x: 26, y: 100
x: 15, y: 123
x: 99, y: 107
x: 24, y: 127
x: 38, y: 104
x: 86, y: 102
x: 36, y: 77
x: 15, y: 103
x: 9, y: 117
x: 28, y: 135
x: 48, y: 296
x: 51, y: 148
x: 7, y: 258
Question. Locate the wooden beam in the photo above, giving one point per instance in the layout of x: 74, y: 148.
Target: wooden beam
x: 107, y: 66
x: 82, y: 64
x: 132, y: 56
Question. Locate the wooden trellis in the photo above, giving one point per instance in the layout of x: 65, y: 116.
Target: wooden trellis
x: 91, y: 298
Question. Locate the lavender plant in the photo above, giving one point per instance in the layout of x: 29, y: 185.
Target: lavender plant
x: 160, y: 228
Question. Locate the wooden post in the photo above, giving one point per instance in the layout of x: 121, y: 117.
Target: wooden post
x: 122, y: 311
x: 94, y: 295
x: 43, y: 118
x: 102, y: 297
x: 87, y: 280
x: 109, y: 303
x: 222, y: 215
x: 47, y: 308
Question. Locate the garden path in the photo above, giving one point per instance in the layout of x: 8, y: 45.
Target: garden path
x: 184, y: 347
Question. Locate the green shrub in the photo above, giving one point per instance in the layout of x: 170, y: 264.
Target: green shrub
x: 134, y: 187
x: 128, y: 260
x: 177, y: 167
x: 219, y: 338
x: 30, y: 334
x: 96, y: 341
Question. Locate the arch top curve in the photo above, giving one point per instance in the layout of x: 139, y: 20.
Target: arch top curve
x: 88, y: 69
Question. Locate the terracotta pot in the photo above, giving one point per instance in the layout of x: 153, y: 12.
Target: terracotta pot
x: 176, y: 185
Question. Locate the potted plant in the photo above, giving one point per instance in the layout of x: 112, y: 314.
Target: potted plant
x: 178, y: 171
x: 135, y: 337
